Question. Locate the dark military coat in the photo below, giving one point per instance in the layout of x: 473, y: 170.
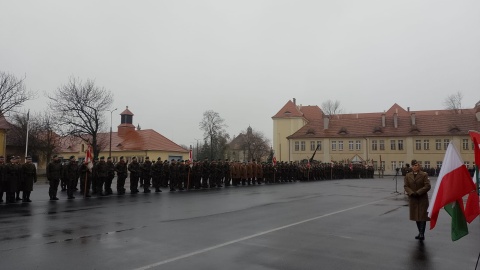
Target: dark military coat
x: 29, y: 173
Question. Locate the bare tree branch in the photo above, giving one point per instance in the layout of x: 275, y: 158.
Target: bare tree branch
x: 13, y: 92
x: 78, y: 108
x: 213, y: 126
x: 454, y: 102
x: 331, y: 108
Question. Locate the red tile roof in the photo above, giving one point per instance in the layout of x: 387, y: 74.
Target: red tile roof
x: 126, y: 112
x: 134, y: 140
x: 290, y: 110
x: 427, y: 123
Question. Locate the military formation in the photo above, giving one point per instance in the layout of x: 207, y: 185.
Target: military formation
x: 96, y: 179
x: 16, y: 179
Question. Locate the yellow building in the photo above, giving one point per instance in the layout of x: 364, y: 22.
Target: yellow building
x: 4, y: 127
x: 129, y: 142
x: 389, y: 139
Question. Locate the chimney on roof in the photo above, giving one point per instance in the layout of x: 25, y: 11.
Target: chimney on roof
x: 395, y: 120
x: 294, y: 101
x: 408, y: 109
x: 326, y: 121
x: 412, y: 116
x: 383, y: 119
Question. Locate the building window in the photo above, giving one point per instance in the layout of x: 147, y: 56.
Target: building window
x: 467, y: 164
x: 427, y: 165
x: 312, y: 146
x: 426, y: 144
x: 465, y: 144
x: 445, y: 143
x: 438, y: 144
x: 400, y: 144
x: 393, y: 145
x: 418, y: 144
x: 302, y: 145
x: 350, y: 145
x: 400, y: 164
x: 319, y: 145
x: 439, y: 164
x: 340, y: 145
x: 334, y: 145
x: 358, y: 145
x: 394, y: 165
x: 297, y: 146
x: 374, y: 145
x: 382, y: 144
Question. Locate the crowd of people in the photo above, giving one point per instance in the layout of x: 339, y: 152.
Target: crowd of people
x: 97, y: 178
x: 16, y: 178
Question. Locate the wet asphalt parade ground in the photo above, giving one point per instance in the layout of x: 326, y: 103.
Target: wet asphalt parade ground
x: 332, y: 224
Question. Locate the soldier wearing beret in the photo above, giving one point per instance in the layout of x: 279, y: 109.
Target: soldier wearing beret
x: 157, y: 170
x: 110, y: 176
x: 70, y: 176
x: 122, y: 173
x: 29, y: 173
x: 101, y: 173
x: 54, y: 174
x: 11, y: 179
x: 146, y: 169
x: 134, y: 169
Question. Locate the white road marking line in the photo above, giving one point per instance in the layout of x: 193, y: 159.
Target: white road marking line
x: 250, y: 237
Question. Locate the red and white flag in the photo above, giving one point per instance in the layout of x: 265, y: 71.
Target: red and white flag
x: 453, y: 183
x: 472, y: 209
x: 89, y: 157
x: 274, y: 161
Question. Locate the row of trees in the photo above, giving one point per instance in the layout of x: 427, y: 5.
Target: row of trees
x: 252, y: 144
x: 76, y: 109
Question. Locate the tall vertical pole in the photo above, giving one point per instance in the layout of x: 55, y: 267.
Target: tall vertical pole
x: 110, y: 150
x: 26, y: 143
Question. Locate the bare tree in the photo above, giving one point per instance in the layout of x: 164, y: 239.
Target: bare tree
x: 212, y: 125
x: 454, y: 102
x: 13, y: 92
x: 78, y: 108
x: 42, y: 140
x: 331, y: 108
x: 255, y: 145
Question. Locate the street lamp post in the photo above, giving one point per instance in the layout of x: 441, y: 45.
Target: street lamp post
x: 110, y: 150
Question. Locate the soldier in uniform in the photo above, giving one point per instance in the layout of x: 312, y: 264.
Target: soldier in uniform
x: 173, y: 175
x: 157, y: 169
x: 19, y: 183
x: 166, y: 174
x: 134, y: 169
x: 70, y: 174
x: 205, y: 173
x: 85, y: 179
x: 101, y: 173
x: 146, y: 169
x: 122, y: 173
x: 243, y: 173
x: 54, y: 174
x: 12, y: 179
x: 3, y: 184
x: 94, y: 176
x: 417, y: 185
x: 110, y: 176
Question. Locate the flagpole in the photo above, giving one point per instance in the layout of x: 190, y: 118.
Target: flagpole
x: 26, y: 143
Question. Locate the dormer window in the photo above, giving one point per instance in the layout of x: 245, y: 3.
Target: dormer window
x: 343, y: 131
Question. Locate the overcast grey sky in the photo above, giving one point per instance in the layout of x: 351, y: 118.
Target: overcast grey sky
x: 171, y: 60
